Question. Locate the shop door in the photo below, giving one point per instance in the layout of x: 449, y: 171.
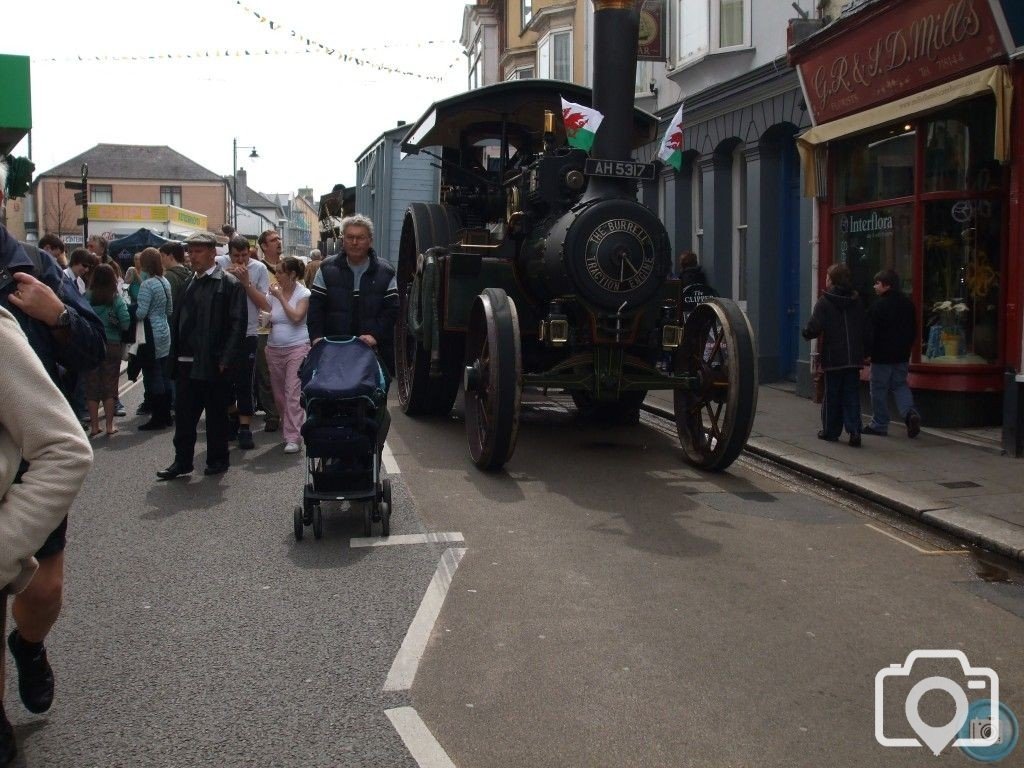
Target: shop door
x: 789, y: 273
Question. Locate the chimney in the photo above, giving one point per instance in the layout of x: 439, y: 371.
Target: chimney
x: 243, y: 184
x: 616, y: 35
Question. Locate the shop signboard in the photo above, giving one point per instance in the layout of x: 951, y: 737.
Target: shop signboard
x: 902, y: 49
x: 653, y: 31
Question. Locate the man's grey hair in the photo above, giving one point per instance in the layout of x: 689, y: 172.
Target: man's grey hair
x: 315, y: 255
x: 357, y: 220
x: 3, y: 177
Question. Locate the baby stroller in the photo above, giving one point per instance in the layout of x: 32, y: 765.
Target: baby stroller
x: 344, y: 392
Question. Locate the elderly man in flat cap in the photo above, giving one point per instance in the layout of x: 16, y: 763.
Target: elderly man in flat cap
x: 207, y: 332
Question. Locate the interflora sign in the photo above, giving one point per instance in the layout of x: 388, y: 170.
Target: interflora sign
x: 147, y: 213
x: 905, y: 48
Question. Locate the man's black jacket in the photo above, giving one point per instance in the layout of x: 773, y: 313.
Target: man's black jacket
x: 335, y: 310
x: 209, y: 324
x: 893, y: 328
x: 86, y: 345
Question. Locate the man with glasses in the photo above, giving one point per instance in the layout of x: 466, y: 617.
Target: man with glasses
x: 355, y: 293
x: 78, y: 267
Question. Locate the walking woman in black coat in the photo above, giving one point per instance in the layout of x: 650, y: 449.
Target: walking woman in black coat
x: 839, y: 317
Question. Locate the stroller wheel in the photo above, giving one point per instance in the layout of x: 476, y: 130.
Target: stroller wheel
x: 307, y: 512
x: 318, y: 522
x: 368, y: 507
x: 385, y: 515
x: 298, y: 523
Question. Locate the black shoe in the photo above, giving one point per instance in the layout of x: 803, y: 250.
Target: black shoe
x: 855, y: 441
x: 271, y: 425
x: 245, y: 440
x: 8, y: 746
x: 144, y: 409
x: 35, y: 678
x: 155, y: 422
x: 913, y: 424
x: 174, y: 471
x: 826, y: 438
x: 869, y: 430
x: 216, y: 469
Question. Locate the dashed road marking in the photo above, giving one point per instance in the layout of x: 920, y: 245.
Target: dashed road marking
x: 403, y: 668
x: 418, y: 739
x: 409, y: 538
x: 390, y: 465
x: 916, y: 548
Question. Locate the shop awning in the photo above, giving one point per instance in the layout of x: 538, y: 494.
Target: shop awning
x: 812, y: 143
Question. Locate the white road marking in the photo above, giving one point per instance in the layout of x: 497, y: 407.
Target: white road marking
x: 914, y: 546
x: 130, y: 386
x: 403, y: 668
x: 418, y: 739
x: 390, y: 465
x: 409, y: 538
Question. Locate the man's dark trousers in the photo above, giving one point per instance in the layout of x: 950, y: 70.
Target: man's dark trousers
x: 841, y: 407
x: 194, y: 396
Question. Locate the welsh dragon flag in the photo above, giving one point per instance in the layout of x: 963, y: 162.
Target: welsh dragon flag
x: 581, y: 123
x: 671, y: 151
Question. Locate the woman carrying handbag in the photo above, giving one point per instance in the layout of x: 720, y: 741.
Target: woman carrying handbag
x: 153, y: 309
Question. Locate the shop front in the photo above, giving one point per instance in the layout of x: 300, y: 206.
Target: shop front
x: 910, y: 161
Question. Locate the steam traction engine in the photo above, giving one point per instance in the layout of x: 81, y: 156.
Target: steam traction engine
x: 539, y: 268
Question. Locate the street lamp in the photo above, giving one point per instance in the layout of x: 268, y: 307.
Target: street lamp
x: 235, y: 146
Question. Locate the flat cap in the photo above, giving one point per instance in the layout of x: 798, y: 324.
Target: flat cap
x: 201, y: 238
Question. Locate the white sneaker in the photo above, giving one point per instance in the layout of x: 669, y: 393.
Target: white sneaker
x: 292, y: 448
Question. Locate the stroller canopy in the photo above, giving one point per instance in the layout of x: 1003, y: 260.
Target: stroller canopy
x: 342, y: 367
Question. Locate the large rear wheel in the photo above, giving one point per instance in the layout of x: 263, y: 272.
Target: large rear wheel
x: 714, y: 420
x: 422, y: 391
x: 493, y: 379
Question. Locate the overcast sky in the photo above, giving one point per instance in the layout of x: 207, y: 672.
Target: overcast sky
x: 308, y: 114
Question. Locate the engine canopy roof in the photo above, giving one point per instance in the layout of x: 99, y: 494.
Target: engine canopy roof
x: 520, y: 102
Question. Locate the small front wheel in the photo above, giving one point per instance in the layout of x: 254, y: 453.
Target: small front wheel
x: 385, y: 515
x: 298, y: 523
x: 318, y: 522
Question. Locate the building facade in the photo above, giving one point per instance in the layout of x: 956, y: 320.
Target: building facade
x: 129, y: 177
x: 914, y: 164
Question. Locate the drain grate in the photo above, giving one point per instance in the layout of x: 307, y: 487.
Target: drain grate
x: 961, y: 484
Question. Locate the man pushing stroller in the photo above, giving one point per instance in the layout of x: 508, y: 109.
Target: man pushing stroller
x: 355, y: 293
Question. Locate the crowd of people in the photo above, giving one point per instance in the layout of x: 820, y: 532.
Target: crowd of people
x: 217, y: 335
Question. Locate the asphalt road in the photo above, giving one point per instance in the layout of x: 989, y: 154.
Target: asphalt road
x: 613, y: 608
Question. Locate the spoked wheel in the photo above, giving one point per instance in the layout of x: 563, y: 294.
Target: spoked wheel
x: 714, y: 420
x: 493, y: 379
x: 298, y: 523
x: 428, y: 228
x: 318, y: 522
x: 385, y: 515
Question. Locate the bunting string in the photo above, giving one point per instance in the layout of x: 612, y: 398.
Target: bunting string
x: 334, y: 52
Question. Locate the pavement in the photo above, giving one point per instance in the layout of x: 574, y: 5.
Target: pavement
x: 955, y: 480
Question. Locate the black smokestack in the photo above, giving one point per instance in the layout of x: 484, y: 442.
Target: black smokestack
x: 616, y: 35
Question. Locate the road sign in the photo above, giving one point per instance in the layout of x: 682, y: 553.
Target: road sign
x: 81, y: 198
x: 619, y: 169
x: 83, y: 222
x: 74, y: 185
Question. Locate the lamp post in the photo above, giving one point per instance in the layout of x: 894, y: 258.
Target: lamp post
x: 235, y: 146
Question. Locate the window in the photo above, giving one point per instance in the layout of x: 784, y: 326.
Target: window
x: 938, y: 223
x: 731, y: 25
x: 692, y: 24
x: 521, y: 73
x: 704, y: 26
x: 170, y: 196
x: 475, y: 63
x: 554, y: 56
x: 527, y: 12
x: 643, y: 79
x: 101, y: 193
x: 697, y: 211
x: 739, y: 227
